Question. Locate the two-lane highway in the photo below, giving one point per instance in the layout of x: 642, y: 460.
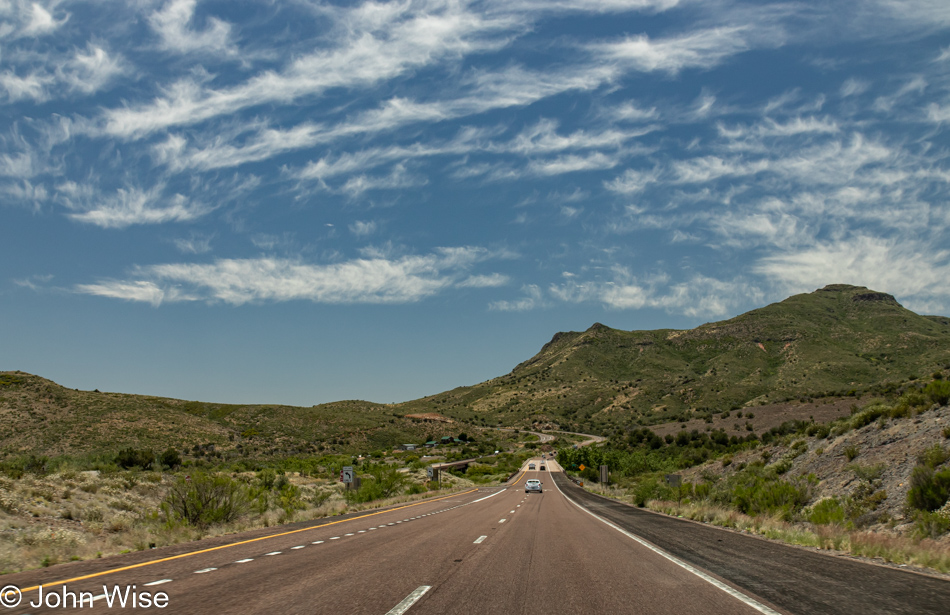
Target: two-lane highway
x: 495, y: 550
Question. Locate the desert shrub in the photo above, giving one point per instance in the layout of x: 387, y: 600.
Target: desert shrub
x: 651, y: 489
x: 205, y: 499
x: 868, y: 473
x: 851, y: 451
x: 383, y: 481
x: 929, y: 490
x: 170, y: 458
x: 933, y: 456
x: 827, y: 511
x: 130, y: 458
x: 267, y: 478
x: 931, y: 524
x: 290, y: 499
x: 320, y: 497
x: 757, y: 490
x: 938, y: 392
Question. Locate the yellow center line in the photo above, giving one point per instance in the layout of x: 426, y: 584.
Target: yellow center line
x: 523, y: 473
x: 233, y: 544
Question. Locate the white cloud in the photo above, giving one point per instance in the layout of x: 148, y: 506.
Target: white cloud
x: 363, y: 229
x: 390, y: 44
x: 399, y: 177
x: 40, y: 21
x: 632, y: 181
x: 572, y: 163
x: 91, y: 71
x: 195, y: 244
x: 533, y: 298
x: 854, y: 87
x: 133, y: 206
x: 700, y: 49
x: 631, y: 112
x: 33, y: 85
x: 699, y: 296
x: 906, y: 267
x: 375, y: 279
x: 144, y: 292
x: 491, y: 280
x: 172, y: 25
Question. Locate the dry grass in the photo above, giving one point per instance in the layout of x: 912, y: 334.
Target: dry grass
x: 86, y: 515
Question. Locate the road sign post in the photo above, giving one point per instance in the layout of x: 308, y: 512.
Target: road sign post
x: 604, y: 475
x: 675, y: 480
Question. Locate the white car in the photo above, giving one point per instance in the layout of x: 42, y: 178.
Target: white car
x: 532, y: 485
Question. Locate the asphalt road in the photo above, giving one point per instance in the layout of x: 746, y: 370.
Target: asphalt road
x: 496, y: 550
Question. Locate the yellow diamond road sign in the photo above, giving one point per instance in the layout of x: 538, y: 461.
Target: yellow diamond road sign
x: 582, y: 467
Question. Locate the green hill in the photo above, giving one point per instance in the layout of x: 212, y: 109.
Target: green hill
x: 38, y: 416
x: 837, y: 341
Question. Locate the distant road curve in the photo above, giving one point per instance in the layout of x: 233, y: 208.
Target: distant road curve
x: 591, y: 438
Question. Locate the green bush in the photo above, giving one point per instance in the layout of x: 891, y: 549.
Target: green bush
x: 931, y: 525
x: 383, y: 481
x: 929, y: 490
x: 170, y: 458
x: 756, y: 491
x: 851, y: 451
x: 827, y: 511
x: 933, y: 456
x: 204, y: 499
x: 130, y: 458
x: 938, y: 391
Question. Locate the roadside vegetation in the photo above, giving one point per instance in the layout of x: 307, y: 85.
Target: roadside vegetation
x: 802, y: 482
x: 60, y: 509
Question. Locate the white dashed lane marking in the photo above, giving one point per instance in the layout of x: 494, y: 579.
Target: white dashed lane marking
x: 480, y: 539
x: 274, y: 553
x: 244, y: 561
x: 298, y: 547
x: 205, y: 570
x: 150, y: 584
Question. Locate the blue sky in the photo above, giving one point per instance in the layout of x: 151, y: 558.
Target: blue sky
x: 307, y: 201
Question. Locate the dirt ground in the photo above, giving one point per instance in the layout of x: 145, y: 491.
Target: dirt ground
x: 769, y: 416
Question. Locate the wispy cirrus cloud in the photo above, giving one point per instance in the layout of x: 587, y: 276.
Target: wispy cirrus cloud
x: 172, y: 24
x: 699, y: 49
x: 376, y: 278
x: 375, y: 46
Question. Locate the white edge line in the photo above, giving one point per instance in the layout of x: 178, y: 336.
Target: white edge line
x: 487, y: 496
x: 755, y: 604
x: 409, y: 600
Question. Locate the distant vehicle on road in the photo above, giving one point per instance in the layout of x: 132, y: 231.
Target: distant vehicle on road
x: 542, y: 467
x: 533, y: 485
x: 530, y: 466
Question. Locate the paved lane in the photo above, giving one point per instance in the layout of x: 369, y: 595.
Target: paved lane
x: 496, y: 550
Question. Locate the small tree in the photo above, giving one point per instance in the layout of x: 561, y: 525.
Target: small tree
x: 171, y: 459
x: 130, y: 458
